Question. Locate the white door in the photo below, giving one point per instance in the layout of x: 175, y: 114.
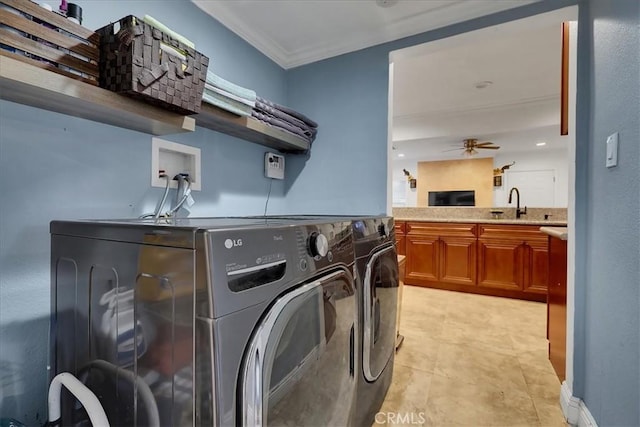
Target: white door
x: 536, y: 187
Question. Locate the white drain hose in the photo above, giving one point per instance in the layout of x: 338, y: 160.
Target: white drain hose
x: 89, y: 400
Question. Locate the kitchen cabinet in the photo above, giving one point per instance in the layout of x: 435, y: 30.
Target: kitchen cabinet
x: 536, y: 266
x: 441, y: 253
x: 422, y: 258
x: 557, y: 304
x: 513, y: 258
x: 401, y: 238
x: 500, y: 263
x: 507, y: 260
x: 401, y: 271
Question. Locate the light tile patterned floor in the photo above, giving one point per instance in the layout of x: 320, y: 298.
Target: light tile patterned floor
x: 471, y: 360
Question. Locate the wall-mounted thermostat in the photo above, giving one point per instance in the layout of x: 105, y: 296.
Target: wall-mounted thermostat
x: 273, y: 166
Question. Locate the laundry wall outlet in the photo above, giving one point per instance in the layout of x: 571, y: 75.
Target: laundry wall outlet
x: 273, y: 166
x: 612, y: 150
x: 174, y: 158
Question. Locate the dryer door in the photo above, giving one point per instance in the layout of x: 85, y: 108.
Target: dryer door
x: 299, y: 369
x: 380, y: 307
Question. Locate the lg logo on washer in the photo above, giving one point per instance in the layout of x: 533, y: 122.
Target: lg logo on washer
x: 230, y: 243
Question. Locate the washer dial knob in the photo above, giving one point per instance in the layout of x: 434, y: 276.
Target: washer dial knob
x: 318, y: 244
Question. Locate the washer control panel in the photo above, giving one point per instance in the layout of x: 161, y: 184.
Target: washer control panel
x: 317, y: 244
x: 322, y: 245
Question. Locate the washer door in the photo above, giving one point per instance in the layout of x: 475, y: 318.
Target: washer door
x: 380, y: 307
x: 299, y: 368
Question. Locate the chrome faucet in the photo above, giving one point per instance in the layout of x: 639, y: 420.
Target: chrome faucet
x: 518, y: 211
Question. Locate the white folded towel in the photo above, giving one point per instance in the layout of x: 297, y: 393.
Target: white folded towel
x: 229, y: 95
x: 217, y: 81
x: 160, y: 26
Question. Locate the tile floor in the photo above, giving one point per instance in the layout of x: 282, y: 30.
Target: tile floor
x: 472, y: 360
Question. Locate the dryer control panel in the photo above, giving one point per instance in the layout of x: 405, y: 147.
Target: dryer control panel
x: 246, y: 264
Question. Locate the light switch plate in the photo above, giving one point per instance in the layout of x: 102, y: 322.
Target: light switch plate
x: 273, y: 166
x: 612, y: 150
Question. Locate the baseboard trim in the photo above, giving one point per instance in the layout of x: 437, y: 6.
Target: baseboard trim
x: 574, y: 409
x: 570, y: 405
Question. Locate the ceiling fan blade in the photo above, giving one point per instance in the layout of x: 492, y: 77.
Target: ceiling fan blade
x: 453, y: 149
x: 481, y: 144
x: 493, y: 147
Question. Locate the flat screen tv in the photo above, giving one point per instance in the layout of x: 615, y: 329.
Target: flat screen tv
x: 452, y: 198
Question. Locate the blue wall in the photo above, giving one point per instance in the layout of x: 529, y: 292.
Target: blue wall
x: 607, y: 362
x: 346, y: 173
x: 54, y: 166
x: 348, y: 166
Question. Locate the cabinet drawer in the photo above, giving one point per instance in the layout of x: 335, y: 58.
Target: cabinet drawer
x: 441, y: 229
x: 400, y: 227
x: 524, y: 233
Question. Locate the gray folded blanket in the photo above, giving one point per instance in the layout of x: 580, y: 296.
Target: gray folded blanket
x: 284, y: 125
x: 274, y: 112
x: 288, y: 111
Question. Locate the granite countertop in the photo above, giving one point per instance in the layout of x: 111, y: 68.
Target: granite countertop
x: 558, y: 232
x: 487, y: 221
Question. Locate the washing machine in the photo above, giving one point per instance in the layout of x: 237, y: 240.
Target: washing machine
x: 377, y: 291
x: 377, y: 281
x: 207, y: 321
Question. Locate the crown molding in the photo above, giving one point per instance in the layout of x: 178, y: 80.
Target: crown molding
x: 220, y: 11
x: 448, y: 14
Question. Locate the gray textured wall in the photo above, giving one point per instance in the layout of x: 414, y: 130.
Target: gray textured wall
x: 608, y: 343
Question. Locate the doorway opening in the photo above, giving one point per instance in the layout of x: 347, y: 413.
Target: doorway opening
x: 500, y: 87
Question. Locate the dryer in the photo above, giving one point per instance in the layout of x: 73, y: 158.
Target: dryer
x: 209, y: 321
x: 377, y: 291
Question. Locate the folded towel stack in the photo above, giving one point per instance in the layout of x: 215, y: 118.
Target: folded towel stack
x: 244, y: 102
x: 228, y: 96
x: 285, y: 118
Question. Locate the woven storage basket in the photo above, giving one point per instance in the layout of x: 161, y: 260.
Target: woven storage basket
x: 134, y: 61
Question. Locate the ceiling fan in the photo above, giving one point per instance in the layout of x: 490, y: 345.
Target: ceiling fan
x: 471, y: 145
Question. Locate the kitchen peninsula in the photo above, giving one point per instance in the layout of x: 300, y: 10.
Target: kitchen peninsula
x: 474, y: 250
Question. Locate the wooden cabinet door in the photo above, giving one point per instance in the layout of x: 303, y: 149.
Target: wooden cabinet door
x: 557, y: 305
x: 422, y: 258
x: 536, y: 267
x: 457, y: 260
x: 401, y: 242
x: 500, y: 263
